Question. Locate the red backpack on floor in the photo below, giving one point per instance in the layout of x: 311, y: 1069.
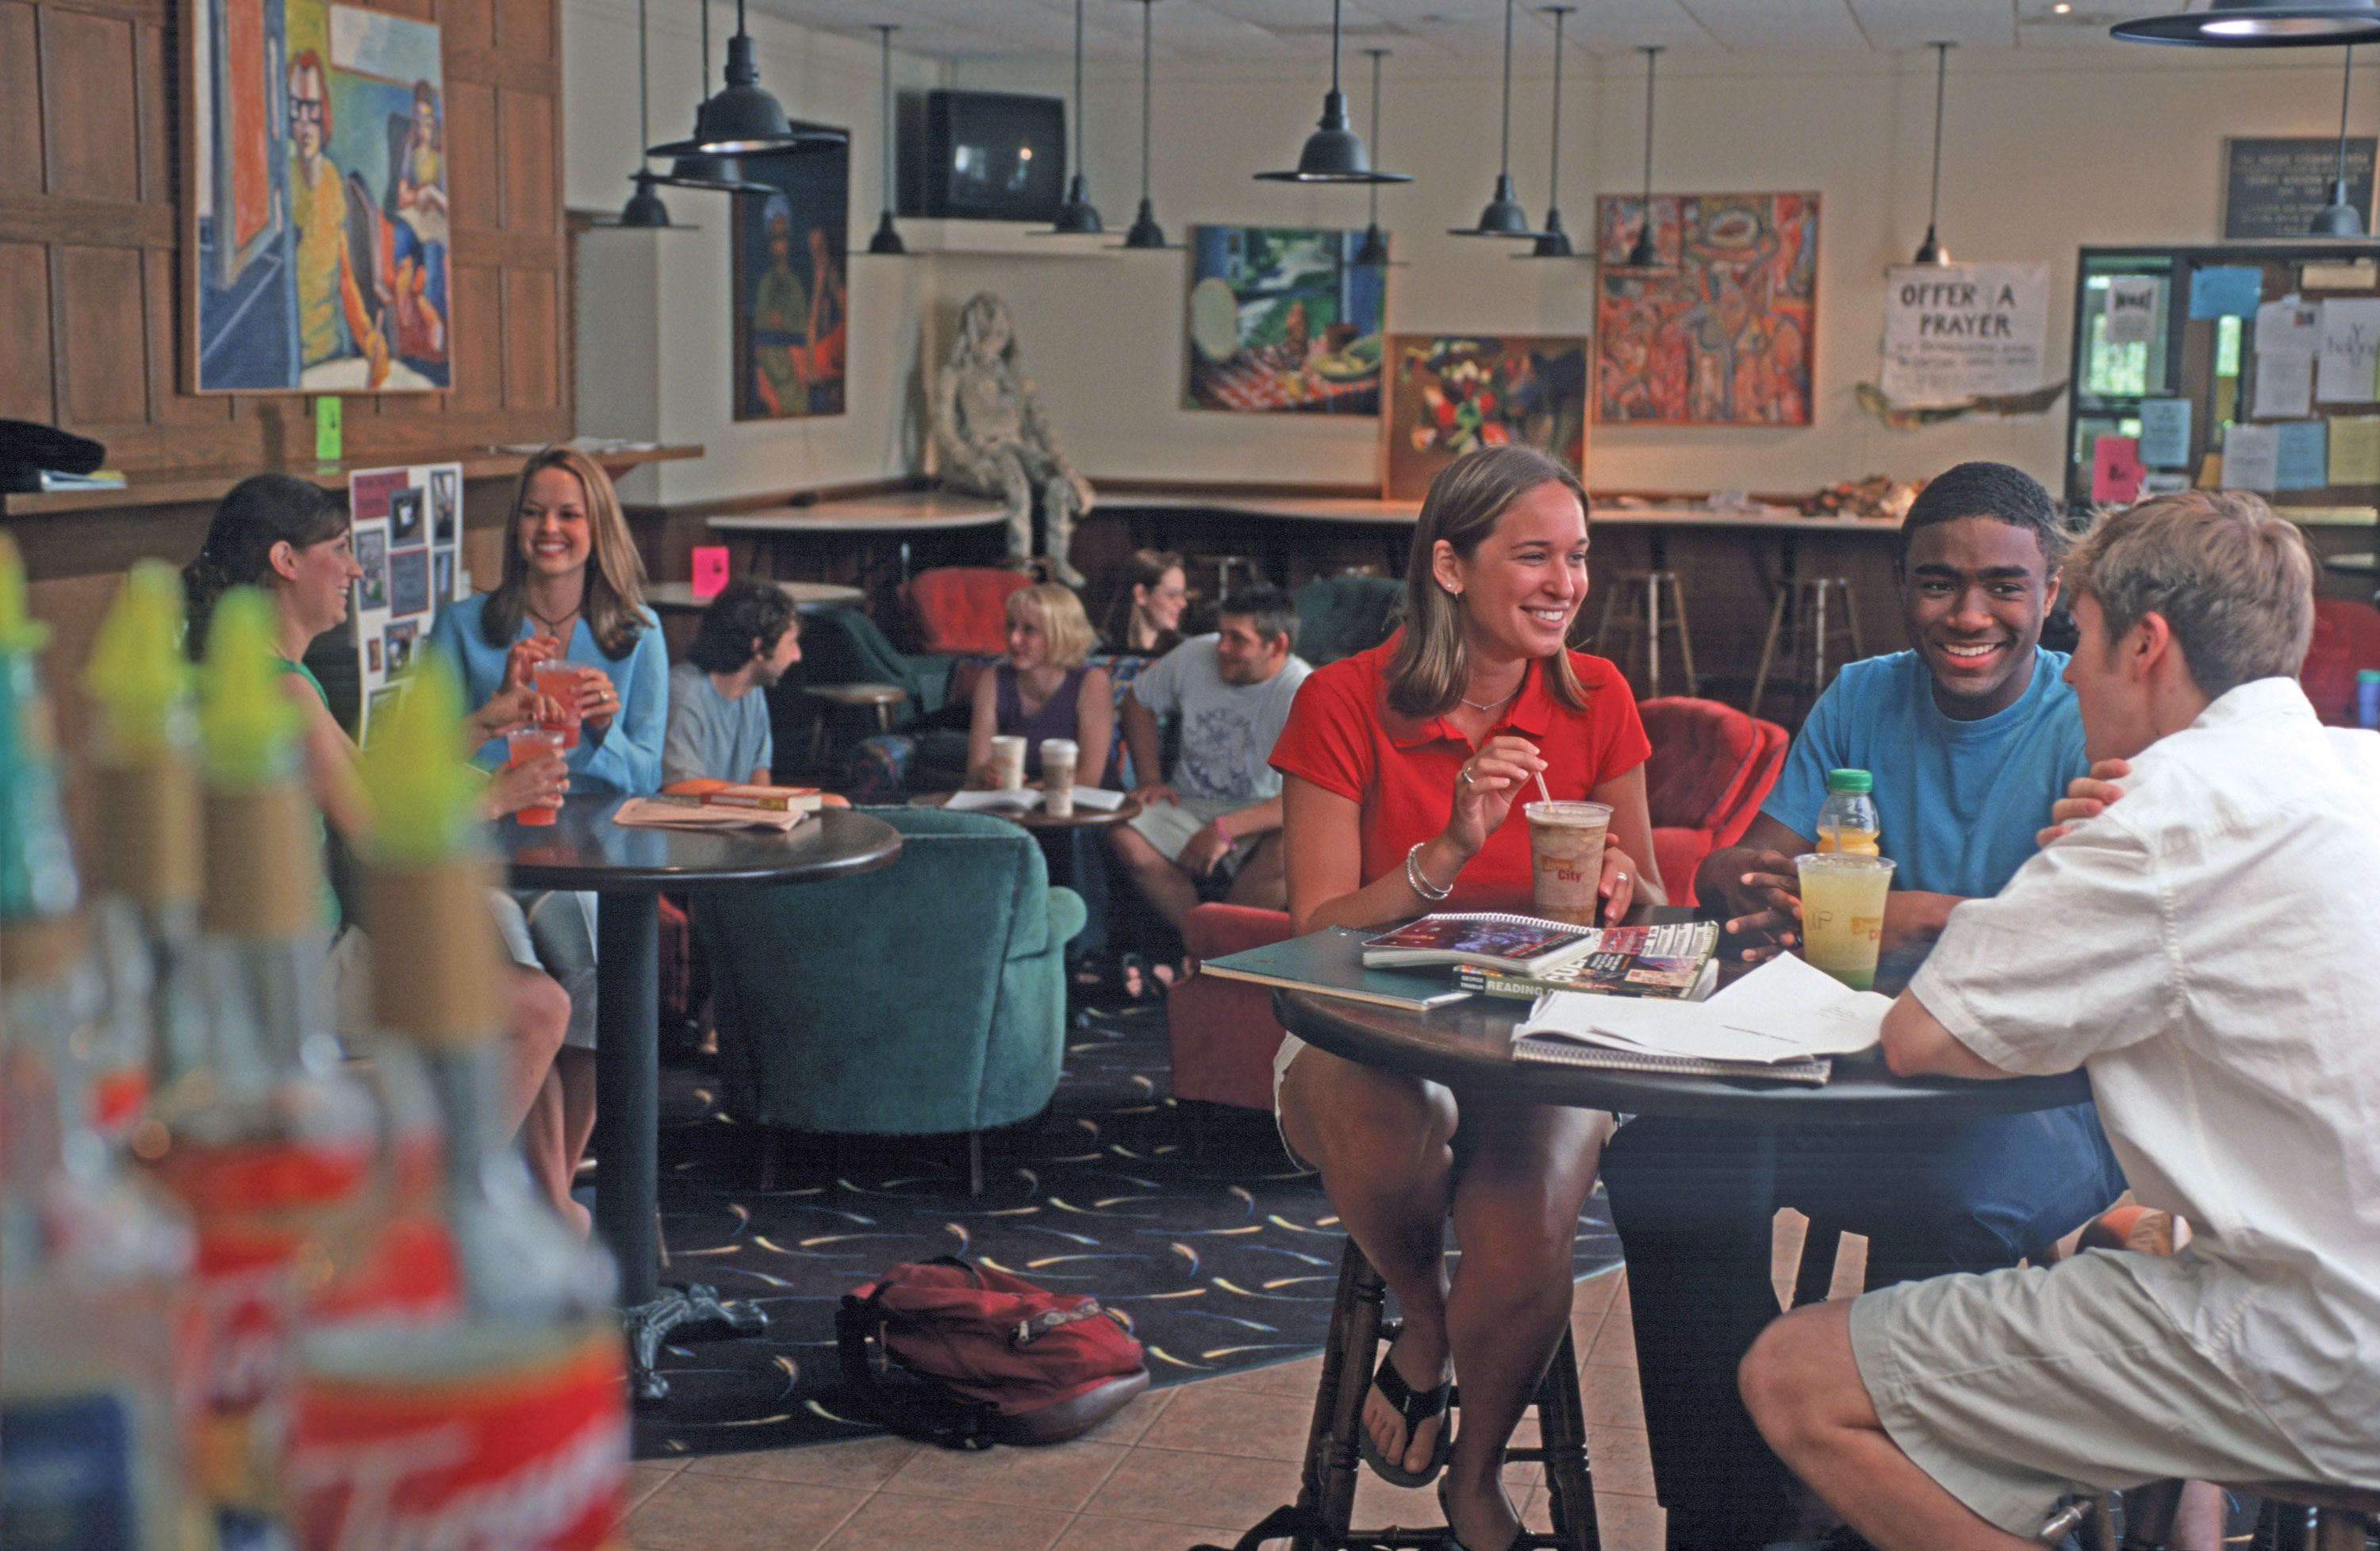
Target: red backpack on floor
x: 997, y: 1358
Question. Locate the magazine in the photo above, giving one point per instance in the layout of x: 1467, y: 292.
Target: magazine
x: 1522, y: 944
x: 1677, y: 962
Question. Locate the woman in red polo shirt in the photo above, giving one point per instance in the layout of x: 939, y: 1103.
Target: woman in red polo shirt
x: 1404, y: 768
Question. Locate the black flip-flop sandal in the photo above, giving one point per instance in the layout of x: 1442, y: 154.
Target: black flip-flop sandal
x: 1454, y: 1542
x: 1415, y: 1407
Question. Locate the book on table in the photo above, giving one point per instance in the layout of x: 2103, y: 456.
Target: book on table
x: 1330, y: 961
x: 1519, y: 944
x: 733, y: 793
x: 669, y: 810
x: 1676, y: 961
x: 1784, y: 1021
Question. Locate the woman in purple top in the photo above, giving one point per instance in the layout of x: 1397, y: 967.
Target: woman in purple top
x: 1044, y: 690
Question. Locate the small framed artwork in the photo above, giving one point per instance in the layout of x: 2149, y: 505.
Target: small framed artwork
x: 380, y: 703
x: 398, y: 656
x: 372, y: 556
x: 404, y: 517
x: 441, y: 576
x: 445, y: 512
x: 371, y: 656
x: 1283, y: 320
x: 1449, y: 393
x: 408, y: 582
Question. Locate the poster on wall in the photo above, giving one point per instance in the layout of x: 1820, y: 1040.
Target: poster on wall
x: 319, y: 198
x: 1283, y: 320
x: 407, y: 546
x: 1720, y: 333
x: 1449, y: 393
x: 789, y: 298
x: 1955, y: 332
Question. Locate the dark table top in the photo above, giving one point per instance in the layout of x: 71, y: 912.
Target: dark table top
x: 1033, y: 819
x: 586, y: 850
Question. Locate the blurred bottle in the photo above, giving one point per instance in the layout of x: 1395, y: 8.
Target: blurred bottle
x: 89, y: 1260
x: 1847, y: 819
x: 257, y: 1128
x: 503, y: 1424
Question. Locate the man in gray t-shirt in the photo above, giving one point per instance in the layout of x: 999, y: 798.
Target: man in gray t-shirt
x: 718, y: 721
x: 1217, y: 817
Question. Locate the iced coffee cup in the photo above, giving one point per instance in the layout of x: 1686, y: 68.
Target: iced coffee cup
x: 1842, y: 912
x: 1008, y: 763
x: 1058, y: 757
x: 1566, y: 858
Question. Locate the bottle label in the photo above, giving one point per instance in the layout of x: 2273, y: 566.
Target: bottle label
x: 533, y: 1458
x: 66, y: 1484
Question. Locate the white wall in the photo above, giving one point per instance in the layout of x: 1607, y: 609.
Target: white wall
x: 2046, y: 150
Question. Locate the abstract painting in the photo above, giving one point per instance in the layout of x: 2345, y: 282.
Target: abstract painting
x: 1720, y: 333
x: 319, y: 240
x: 1449, y: 393
x: 789, y: 296
x: 1283, y: 320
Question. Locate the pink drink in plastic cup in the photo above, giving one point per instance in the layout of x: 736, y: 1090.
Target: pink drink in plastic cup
x: 559, y: 681
x: 533, y: 743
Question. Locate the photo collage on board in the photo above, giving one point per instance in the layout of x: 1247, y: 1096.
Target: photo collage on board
x: 408, y: 533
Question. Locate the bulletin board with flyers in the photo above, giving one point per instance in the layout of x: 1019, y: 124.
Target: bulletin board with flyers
x: 408, y: 531
x: 2250, y: 366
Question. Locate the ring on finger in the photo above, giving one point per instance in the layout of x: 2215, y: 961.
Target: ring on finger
x: 1467, y: 780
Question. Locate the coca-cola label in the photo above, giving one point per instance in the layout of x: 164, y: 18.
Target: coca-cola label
x: 532, y: 1457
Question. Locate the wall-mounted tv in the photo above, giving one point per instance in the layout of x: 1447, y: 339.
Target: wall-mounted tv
x: 988, y: 156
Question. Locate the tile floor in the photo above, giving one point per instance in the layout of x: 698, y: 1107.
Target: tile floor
x: 1191, y: 1462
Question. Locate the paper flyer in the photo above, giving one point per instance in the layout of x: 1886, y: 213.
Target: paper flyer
x: 2355, y: 449
x: 2301, y: 456
x: 2116, y: 470
x: 2135, y: 309
x: 2164, y: 432
x: 2284, y: 384
x: 2250, y: 456
x: 2346, y: 369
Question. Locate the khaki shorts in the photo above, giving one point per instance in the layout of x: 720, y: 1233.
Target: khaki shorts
x: 2016, y: 1389
x: 1169, y: 825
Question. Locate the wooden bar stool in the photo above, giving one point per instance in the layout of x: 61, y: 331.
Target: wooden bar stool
x: 1810, y: 637
x: 1226, y: 565
x: 825, y: 697
x: 1663, y: 608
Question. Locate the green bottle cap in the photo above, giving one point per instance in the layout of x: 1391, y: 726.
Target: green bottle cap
x: 248, y: 728
x: 421, y: 790
x: 2367, y: 675
x: 1850, y: 781
x: 138, y: 672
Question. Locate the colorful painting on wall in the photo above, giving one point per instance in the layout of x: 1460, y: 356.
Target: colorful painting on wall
x: 1721, y: 333
x: 318, y: 174
x: 1449, y: 393
x: 1283, y: 320
x: 790, y: 323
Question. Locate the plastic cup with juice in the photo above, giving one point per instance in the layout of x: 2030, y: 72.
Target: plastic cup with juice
x: 558, y: 682
x: 1566, y: 858
x: 1842, y: 912
x: 533, y: 743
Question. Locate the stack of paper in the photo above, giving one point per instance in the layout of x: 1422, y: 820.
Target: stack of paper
x: 661, y: 813
x: 1783, y: 1014
x: 1027, y: 799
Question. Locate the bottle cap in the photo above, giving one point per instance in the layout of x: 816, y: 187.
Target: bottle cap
x: 2367, y: 675
x: 1850, y: 781
x: 247, y: 726
x: 138, y: 672
x: 422, y: 790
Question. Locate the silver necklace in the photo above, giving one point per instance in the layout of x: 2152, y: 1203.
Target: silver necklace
x: 1490, y: 705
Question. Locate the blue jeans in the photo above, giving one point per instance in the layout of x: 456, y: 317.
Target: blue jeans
x: 1693, y: 1202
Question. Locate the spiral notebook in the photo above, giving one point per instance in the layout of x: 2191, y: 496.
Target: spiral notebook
x: 1567, y: 1052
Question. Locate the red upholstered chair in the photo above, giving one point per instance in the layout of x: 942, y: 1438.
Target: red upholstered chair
x: 1711, y: 768
x: 1222, y: 1031
x: 961, y: 609
x: 2346, y: 637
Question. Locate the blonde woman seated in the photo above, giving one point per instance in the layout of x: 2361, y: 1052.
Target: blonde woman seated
x: 1404, y: 770
x: 1044, y: 690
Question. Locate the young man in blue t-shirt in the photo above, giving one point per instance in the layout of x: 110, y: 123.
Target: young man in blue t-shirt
x: 1971, y: 737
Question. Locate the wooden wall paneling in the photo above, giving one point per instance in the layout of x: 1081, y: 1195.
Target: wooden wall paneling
x: 532, y: 339
x: 465, y: 24
x: 472, y: 192
x: 478, y: 292
x: 20, y: 106
x: 153, y: 75
x: 107, y: 349
x: 526, y: 27
x: 531, y: 167
x: 167, y: 328
x: 90, y: 102
x: 25, y: 386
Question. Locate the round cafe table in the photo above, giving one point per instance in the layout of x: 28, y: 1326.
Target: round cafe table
x: 1033, y: 819
x: 626, y: 869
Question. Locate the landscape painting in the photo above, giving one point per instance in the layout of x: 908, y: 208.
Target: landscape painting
x: 1449, y: 393
x: 1283, y: 319
x: 1720, y: 332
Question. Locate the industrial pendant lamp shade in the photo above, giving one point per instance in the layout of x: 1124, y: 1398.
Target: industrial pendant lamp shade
x: 1503, y: 217
x: 1077, y: 216
x: 1555, y: 243
x: 1145, y: 233
x: 1645, y: 254
x: 723, y: 174
x: 1333, y: 153
x: 1372, y: 248
x: 644, y: 211
x: 1931, y: 250
x: 743, y: 119
x: 2260, y: 24
x: 887, y: 240
x: 2340, y: 218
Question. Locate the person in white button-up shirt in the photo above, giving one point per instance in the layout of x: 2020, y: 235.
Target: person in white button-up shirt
x: 2198, y: 934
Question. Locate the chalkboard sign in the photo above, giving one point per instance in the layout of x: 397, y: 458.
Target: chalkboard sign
x: 2274, y: 188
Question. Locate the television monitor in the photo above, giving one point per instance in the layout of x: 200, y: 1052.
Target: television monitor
x: 994, y: 156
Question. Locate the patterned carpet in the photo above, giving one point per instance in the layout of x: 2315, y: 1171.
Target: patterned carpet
x: 1222, y: 1254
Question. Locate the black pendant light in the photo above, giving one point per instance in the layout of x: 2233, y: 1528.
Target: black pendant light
x: 1931, y: 250
x: 1372, y: 251
x: 887, y: 239
x: 702, y: 169
x: 2260, y: 24
x: 1145, y: 233
x: 1333, y: 153
x: 1077, y: 216
x: 1645, y: 254
x: 2340, y: 218
x: 1503, y: 217
x: 644, y: 211
x: 1555, y: 243
x: 743, y: 119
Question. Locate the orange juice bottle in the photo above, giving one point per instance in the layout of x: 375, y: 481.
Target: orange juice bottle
x: 1847, y: 822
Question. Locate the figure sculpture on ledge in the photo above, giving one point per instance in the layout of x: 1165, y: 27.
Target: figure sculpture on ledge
x: 993, y: 439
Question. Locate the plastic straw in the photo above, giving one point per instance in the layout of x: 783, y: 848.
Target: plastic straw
x: 1541, y: 787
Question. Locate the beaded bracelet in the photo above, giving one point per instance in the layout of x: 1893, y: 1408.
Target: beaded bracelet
x: 1419, y: 884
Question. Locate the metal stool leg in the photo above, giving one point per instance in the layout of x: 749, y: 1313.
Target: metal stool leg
x: 1603, y: 621
x: 1685, y: 639
x: 1653, y: 635
x: 1768, y: 647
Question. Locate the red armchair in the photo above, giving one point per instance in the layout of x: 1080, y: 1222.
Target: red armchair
x: 2346, y: 637
x: 961, y: 609
x: 1711, y: 768
x: 1222, y: 1031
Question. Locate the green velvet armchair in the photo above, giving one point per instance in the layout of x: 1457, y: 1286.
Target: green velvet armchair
x: 927, y: 999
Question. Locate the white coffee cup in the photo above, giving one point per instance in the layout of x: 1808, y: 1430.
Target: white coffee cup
x: 1058, y: 757
x: 1008, y: 763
